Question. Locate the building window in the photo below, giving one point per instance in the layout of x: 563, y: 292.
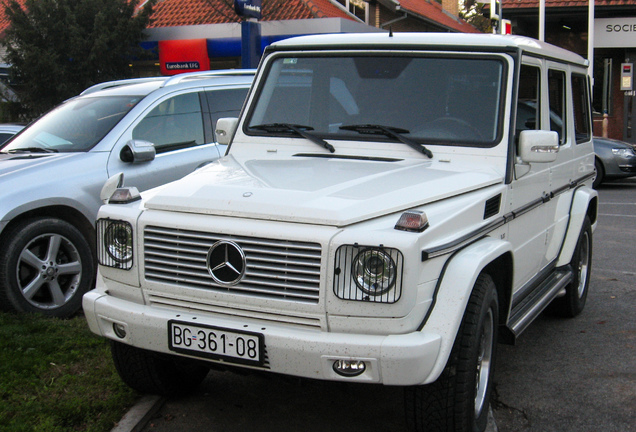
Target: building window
x: 602, y: 86
x: 359, y: 8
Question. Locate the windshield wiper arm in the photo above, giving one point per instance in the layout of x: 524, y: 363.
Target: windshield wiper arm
x: 298, y: 130
x: 391, y: 132
x: 32, y: 150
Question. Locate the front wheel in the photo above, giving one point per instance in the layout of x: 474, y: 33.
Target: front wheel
x: 460, y: 398
x: 46, y: 267
x: 600, y: 173
x: 154, y: 373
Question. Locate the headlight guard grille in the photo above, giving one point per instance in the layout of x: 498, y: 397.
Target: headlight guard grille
x: 368, y: 273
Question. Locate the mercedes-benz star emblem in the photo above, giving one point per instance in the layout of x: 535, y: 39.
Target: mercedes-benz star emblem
x: 226, y: 262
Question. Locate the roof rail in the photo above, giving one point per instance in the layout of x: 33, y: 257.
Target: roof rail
x: 176, y: 79
x: 118, y: 83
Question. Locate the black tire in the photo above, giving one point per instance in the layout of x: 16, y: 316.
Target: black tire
x: 573, y: 302
x: 460, y: 398
x: 154, y: 373
x: 600, y: 173
x: 46, y: 267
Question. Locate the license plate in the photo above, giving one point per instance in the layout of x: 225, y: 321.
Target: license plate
x: 216, y: 343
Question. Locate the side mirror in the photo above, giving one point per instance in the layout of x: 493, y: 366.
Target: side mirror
x: 110, y: 186
x: 136, y: 151
x: 225, y: 129
x: 538, y: 146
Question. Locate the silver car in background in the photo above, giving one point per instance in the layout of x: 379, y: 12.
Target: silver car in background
x: 8, y: 131
x: 154, y: 130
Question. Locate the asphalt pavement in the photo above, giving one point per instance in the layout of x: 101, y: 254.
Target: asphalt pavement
x: 562, y: 375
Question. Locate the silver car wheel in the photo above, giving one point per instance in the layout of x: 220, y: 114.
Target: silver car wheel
x: 49, y: 271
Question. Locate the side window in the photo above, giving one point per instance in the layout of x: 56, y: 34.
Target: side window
x: 528, y: 103
x: 556, y: 95
x: 174, y: 124
x: 225, y: 103
x: 581, y: 95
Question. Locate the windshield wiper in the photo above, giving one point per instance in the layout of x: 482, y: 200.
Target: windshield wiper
x: 391, y: 132
x: 300, y: 130
x: 32, y: 150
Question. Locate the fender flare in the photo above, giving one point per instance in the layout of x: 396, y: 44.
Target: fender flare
x: 453, y: 292
x: 584, y: 203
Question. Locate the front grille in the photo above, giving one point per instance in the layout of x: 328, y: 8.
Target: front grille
x: 277, y: 269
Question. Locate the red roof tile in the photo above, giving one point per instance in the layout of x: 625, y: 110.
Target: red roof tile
x: 433, y: 11
x: 528, y: 4
x: 172, y: 13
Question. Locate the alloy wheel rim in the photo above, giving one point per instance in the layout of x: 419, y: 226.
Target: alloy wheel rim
x: 49, y: 271
x: 584, y: 262
x: 484, y: 362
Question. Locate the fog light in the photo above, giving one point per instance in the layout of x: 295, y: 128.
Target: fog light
x: 349, y: 368
x: 120, y: 330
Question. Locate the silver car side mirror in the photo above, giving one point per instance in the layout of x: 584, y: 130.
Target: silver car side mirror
x: 136, y: 151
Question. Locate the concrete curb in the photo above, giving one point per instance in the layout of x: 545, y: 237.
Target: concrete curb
x: 137, y: 417
x: 141, y: 413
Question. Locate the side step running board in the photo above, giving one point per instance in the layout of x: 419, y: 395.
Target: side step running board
x: 532, y: 305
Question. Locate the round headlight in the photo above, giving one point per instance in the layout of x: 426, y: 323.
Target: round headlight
x: 374, y: 271
x: 118, y: 242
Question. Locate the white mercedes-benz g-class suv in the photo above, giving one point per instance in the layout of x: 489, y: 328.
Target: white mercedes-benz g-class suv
x: 390, y: 207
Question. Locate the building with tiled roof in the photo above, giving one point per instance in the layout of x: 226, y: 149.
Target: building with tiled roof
x: 418, y: 14
x: 612, y: 45
x: 173, y: 13
x: 216, y: 22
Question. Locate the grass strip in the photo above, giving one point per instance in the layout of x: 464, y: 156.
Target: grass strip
x: 56, y: 376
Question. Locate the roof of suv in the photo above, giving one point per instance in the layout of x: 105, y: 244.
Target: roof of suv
x: 429, y: 40
x: 144, y: 86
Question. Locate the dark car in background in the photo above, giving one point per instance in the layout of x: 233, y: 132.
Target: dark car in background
x: 614, y: 160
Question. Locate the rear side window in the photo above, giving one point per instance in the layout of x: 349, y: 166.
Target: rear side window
x: 225, y: 103
x: 581, y: 95
x: 174, y: 124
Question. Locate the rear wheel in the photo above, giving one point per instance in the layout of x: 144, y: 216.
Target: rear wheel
x: 573, y: 302
x: 153, y: 373
x: 460, y: 398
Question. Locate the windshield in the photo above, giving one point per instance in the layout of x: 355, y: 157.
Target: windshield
x: 442, y: 100
x: 75, y: 126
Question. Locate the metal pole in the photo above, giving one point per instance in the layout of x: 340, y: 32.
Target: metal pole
x: 542, y: 20
x: 590, y: 41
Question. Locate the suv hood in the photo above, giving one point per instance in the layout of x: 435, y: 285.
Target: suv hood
x: 29, y: 163
x: 322, y: 191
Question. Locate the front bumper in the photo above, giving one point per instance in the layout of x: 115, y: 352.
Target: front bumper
x: 405, y: 359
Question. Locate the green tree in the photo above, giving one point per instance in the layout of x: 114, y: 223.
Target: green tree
x: 57, y: 48
x: 473, y: 12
